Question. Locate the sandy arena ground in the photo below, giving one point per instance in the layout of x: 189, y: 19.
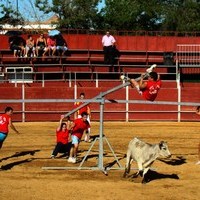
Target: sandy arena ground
x: 23, y: 156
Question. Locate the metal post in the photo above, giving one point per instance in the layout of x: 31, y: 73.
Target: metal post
x: 23, y: 103
x: 127, y: 104
x: 70, y: 79
x: 178, y: 88
x: 42, y: 79
x: 179, y: 101
x: 100, y: 161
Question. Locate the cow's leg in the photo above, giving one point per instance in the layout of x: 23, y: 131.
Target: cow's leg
x: 148, y: 164
x: 128, y: 164
x: 140, y: 169
x: 144, y: 172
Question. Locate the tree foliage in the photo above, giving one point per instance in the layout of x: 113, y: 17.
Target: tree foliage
x: 79, y: 14
x: 10, y: 14
x: 181, y: 15
x: 151, y: 15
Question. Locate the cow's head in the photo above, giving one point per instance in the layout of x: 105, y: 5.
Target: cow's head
x: 164, y: 150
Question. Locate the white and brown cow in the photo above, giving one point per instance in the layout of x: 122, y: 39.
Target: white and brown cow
x: 144, y: 154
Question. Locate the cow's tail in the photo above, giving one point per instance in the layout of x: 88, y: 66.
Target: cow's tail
x: 128, y: 164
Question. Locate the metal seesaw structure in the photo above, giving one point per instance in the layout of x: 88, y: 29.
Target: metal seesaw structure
x: 101, y: 99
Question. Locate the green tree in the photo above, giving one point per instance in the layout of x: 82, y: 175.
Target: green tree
x: 154, y: 15
x: 78, y: 14
x: 120, y: 14
x: 180, y: 15
x: 132, y: 14
x: 10, y: 14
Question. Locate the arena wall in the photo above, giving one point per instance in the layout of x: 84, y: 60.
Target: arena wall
x: 50, y: 111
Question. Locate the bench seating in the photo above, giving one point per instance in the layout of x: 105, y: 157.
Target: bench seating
x: 86, y: 59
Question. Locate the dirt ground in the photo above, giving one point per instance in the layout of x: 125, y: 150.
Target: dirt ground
x: 24, y: 160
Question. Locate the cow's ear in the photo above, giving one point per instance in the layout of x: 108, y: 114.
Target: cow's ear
x: 161, y: 144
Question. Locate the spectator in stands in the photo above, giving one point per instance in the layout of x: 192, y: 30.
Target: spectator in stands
x: 5, y: 121
x: 30, y: 47
x: 17, y: 45
x: 41, y: 45
x: 78, y: 114
x: 51, y: 45
x: 63, y: 137
x: 78, y: 127
x: 198, y: 113
x: 108, y: 42
x: 147, y: 88
x: 116, y: 55
x: 61, y: 45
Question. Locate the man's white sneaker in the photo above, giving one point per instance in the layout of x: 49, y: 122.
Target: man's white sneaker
x: 124, y: 78
x: 198, y: 163
x: 71, y: 160
x: 88, y: 141
x: 150, y: 69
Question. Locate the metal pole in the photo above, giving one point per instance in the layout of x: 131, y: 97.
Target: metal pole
x: 103, y: 94
x: 100, y: 161
x: 179, y: 90
x: 97, y: 97
x: 23, y: 103
x: 127, y: 104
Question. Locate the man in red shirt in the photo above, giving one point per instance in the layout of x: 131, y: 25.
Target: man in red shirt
x: 147, y: 88
x: 62, y: 138
x: 5, y: 121
x: 80, y: 111
x: 78, y: 127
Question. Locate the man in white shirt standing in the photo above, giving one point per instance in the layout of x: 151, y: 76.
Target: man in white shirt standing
x: 108, y: 42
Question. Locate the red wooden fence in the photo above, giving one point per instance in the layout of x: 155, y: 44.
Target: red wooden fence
x: 134, y: 43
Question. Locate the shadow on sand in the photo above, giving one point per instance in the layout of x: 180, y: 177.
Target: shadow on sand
x: 16, y: 155
x: 179, y: 160
x: 150, y: 176
x: 19, y: 154
x: 11, y: 165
